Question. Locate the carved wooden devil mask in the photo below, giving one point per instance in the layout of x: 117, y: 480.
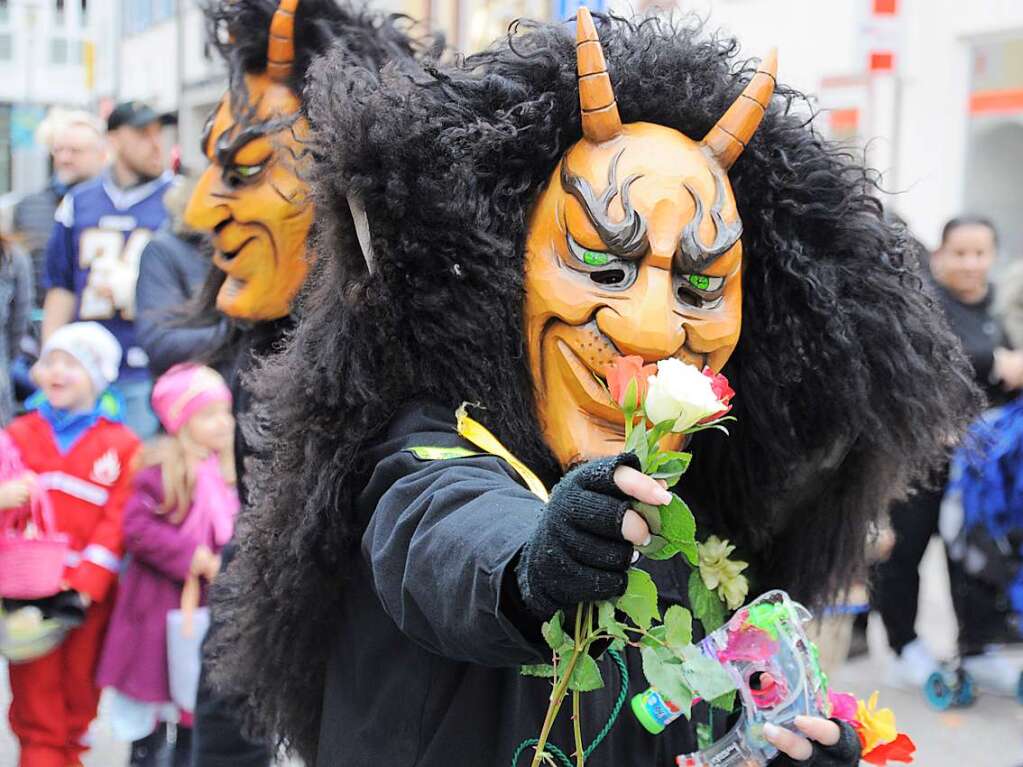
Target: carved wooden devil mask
x: 252, y: 198
x: 634, y: 248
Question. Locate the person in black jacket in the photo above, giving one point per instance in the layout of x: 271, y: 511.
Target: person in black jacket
x: 253, y: 203
x: 960, y: 269
x: 492, y: 231
x: 171, y: 270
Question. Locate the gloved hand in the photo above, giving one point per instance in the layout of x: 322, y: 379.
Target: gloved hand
x: 578, y: 552
x: 845, y: 752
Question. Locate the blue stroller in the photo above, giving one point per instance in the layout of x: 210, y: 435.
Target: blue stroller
x: 982, y: 526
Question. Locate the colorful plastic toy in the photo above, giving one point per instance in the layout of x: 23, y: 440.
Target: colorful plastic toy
x: 775, y: 669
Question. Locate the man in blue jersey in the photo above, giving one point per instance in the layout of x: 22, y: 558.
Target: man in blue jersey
x: 92, y: 257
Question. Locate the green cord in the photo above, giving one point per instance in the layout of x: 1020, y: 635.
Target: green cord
x: 623, y: 693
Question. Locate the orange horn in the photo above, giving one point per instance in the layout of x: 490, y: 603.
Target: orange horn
x: 280, y: 49
x: 597, y: 104
x: 729, y: 136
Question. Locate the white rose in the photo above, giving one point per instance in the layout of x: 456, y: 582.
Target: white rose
x: 679, y: 393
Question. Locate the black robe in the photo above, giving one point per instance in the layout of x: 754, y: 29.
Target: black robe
x: 425, y: 659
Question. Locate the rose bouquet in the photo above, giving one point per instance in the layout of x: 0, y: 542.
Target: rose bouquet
x: 657, y: 401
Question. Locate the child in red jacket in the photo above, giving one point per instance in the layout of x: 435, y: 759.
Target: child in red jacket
x: 80, y: 453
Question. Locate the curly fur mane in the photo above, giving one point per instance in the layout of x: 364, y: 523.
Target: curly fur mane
x: 850, y: 385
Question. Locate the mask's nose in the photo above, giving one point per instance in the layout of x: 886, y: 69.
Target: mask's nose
x: 646, y: 324
x: 204, y: 212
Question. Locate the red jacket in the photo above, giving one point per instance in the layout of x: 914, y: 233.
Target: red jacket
x: 88, y: 486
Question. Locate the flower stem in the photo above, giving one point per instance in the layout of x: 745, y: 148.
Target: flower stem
x: 580, y: 755
x: 558, y: 695
x: 583, y: 640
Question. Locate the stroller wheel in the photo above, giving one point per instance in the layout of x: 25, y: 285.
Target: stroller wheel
x: 939, y: 694
x: 963, y: 692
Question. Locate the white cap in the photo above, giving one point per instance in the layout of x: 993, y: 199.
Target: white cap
x: 93, y: 346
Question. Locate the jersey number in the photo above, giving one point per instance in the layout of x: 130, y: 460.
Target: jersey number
x: 113, y: 265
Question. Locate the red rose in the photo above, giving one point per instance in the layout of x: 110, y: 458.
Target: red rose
x: 722, y: 390
x: 899, y: 750
x: 625, y: 369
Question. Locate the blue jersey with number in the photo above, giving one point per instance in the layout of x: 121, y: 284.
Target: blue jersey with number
x: 94, y: 252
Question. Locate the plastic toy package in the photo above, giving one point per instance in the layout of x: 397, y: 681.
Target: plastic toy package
x: 773, y: 666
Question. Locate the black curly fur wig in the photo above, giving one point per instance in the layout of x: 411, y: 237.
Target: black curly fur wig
x: 239, y: 29
x: 849, y: 384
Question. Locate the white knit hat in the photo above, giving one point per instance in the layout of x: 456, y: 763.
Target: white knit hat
x: 93, y: 346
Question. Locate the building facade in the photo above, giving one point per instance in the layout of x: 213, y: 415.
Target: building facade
x: 48, y: 57
x: 940, y: 114
x: 931, y: 90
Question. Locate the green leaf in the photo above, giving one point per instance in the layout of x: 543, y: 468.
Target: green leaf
x: 544, y: 670
x: 651, y: 515
x: 586, y: 675
x: 678, y: 525
x: 678, y: 455
x: 691, y: 551
x: 668, y: 465
x: 705, y: 676
x: 636, y: 443
x: 639, y: 601
x: 618, y: 645
x: 726, y: 702
x: 655, y: 636
x: 553, y: 634
x: 706, y: 605
x: 664, y: 672
x: 679, y: 624
x: 608, y: 622
x: 657, y: 460
x: 670, y: 471
x: 631, y: 399
x: 662, y: 552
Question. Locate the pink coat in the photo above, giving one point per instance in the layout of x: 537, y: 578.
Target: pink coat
x: 134, y: 659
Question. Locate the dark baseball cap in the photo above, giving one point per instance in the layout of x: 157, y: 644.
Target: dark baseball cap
x: 137, y: 115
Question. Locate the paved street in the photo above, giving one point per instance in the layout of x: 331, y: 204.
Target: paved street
x: 989, y: 734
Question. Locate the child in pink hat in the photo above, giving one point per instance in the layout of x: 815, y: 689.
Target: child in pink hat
x: 180, y: 515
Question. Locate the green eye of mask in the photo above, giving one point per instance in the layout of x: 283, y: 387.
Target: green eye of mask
x: 595, y: 258
x: 699, y: 281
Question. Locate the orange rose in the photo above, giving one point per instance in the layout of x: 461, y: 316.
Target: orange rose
x: 625, y: 369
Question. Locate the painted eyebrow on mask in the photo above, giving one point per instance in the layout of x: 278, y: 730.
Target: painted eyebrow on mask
x: 693, y: 255
x: 626, y: 238
x: 229, y: 145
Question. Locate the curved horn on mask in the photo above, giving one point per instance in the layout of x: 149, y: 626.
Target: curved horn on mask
x: 280, y: 48
x: 597, y: 105
x: 728, y: 138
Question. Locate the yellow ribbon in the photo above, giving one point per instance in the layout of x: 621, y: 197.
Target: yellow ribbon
x: 480, y: 436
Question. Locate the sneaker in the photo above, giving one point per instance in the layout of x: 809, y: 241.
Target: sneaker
x: 993, y: 672
x: 912, y: 667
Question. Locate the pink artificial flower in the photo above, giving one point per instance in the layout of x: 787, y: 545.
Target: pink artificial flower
x: 722, y: 390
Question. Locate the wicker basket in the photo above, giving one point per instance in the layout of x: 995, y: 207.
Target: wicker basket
x: 32, y: 556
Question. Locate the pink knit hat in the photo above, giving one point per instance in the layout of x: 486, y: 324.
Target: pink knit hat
x: 185, y: 389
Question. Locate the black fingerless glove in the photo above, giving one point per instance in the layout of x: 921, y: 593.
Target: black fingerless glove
x: 577, y: 552
x: 845, y: 753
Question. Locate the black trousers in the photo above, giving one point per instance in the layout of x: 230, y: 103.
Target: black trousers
x: 217, y: 740
x: 895, y: 587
